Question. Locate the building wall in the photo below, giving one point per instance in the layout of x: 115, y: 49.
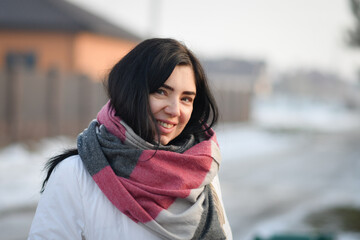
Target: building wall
x: 84, y: 53
x: 51, y: 49
x: 95, y: 55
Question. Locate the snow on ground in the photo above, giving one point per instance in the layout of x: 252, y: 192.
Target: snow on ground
x: 21, y: 170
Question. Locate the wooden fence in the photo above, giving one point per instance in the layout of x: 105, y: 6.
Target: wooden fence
x: 233, y: 96
x: 35, y: 105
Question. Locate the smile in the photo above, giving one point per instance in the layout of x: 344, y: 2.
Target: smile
x: 165, y: 125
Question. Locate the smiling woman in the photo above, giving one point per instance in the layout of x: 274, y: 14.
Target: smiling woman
x: 147, y: 168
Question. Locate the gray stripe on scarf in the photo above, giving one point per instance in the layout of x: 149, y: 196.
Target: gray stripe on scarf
x: 98, y: 149
x: 88, y: 149
x: 209, y: 224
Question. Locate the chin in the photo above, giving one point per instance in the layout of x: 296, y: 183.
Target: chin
x: 165, y: 140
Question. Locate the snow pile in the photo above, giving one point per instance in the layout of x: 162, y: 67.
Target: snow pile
x: 242, y: 142
x: 21, y: 170
x: 285, y: 113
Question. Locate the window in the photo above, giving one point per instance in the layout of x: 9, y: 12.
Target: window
x: 25, y: 60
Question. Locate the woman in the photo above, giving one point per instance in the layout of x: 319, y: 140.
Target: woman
x: 147, y: 167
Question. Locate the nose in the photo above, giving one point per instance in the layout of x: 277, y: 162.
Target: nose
x: 173, y: 108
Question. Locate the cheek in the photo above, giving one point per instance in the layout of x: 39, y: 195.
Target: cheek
x: 154, y: 105
x: 187, y: 115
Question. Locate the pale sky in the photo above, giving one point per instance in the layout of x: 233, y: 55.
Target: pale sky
x: 287, y: 34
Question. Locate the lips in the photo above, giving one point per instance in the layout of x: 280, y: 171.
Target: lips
x: 165, y: 125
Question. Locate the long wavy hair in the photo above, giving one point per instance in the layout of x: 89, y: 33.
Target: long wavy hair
x: 144, y: 70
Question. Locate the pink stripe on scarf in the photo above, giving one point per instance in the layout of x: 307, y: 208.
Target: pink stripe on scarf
x: 106, y: 116
x: 113, y: 187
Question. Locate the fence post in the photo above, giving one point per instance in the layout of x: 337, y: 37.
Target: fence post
x: 12, y: 100
x: 52, y: 102
x: 84, y: 101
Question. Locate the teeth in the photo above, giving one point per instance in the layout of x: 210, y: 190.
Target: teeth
x: 166, y: 125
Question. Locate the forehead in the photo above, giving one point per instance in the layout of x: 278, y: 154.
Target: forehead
x: 182, y: 77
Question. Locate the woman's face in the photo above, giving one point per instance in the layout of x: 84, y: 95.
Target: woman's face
x: 172, y: 103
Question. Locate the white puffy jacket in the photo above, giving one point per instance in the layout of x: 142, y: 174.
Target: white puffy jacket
x: 73, y: 207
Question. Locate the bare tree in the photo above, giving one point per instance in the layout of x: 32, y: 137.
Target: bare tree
x: 354, y: 34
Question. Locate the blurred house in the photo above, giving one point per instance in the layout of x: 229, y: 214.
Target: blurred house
x: 235, y: 82
x: 318, y: 85
x: 55, y: 34
x: 53, y: 56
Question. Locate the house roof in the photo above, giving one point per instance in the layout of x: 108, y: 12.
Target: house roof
x: 56, y: 15
x: 234, y: 66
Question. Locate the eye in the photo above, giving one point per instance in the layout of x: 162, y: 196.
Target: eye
x: 188, y: 99
x: 160, y: 91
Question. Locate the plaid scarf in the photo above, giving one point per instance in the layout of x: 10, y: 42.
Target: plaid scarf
x: 166, y: 188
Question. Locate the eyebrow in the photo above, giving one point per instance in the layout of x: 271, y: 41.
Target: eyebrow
x: 172, y: 89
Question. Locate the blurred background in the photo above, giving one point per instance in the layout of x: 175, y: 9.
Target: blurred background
x: 286, y: 75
